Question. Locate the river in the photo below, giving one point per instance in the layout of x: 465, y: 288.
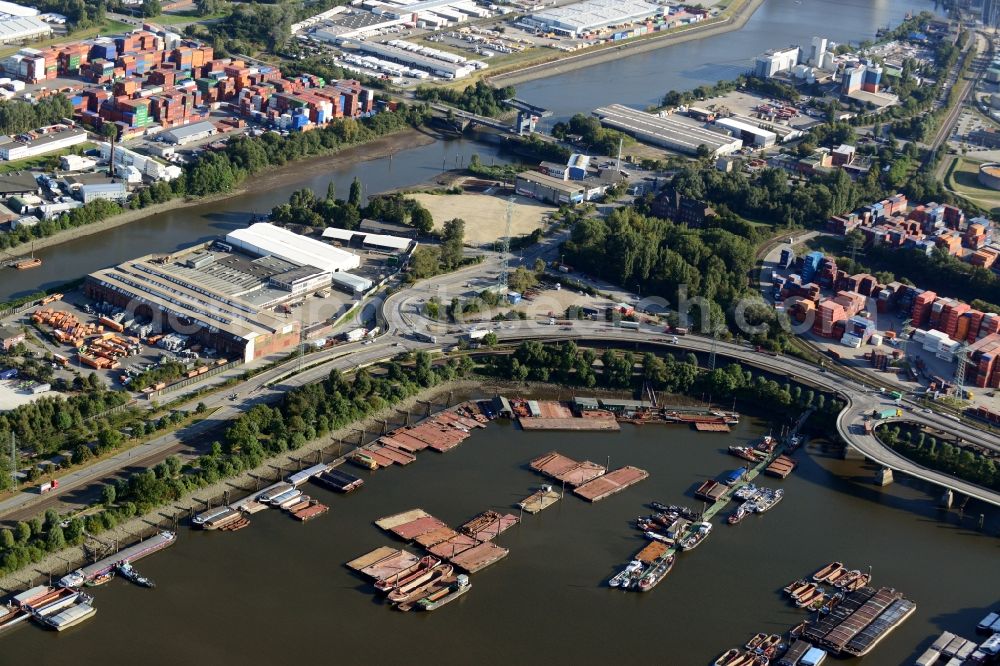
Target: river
x: 637, y: 80
x: 166, y: 231
x: 278, y: 591
x: 640, y: 80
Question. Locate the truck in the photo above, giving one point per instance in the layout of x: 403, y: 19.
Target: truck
x: 355, y: 334
x: 480, y: 333
x: 631, y: 325
x: 425, y: 337
x: 47, y: 486
x: 896, y: 395
x: 888, y: 413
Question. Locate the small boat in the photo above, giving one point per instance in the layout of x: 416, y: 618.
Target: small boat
x: 301, y: 503
x: 364, y: 460
x: 793, y: 585
x: 455, y: 590
x: 403, y: 593
x: 682, y: 511
x: 755, y: 642
x: 858, y: 582
x: 653, y: 576
x: 821, y: 575
x: 130, y: 574
x: 407, y: 575
x: 288, y: 499
x: 622, y: 577
x: 837, y: 575
x: 809, y: 597
x: 808, y: 588
x: 726, y: 657
x: 656, y: 536
x: 695, y: 539
x: 24, y: 264
x: 746, y: 453
x: 102, y: 579
x: 746, y: 492
x: 70, y: 617
x: 847, y: 578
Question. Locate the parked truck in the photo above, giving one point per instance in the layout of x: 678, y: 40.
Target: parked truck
x: 355, y: 334
x: 425, y: 337
x: 47, y: 486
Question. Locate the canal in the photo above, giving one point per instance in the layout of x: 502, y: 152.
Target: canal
x: 278, y: 591
x: 640, y: 80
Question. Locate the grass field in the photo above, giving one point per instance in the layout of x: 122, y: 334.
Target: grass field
x: 964, y: 181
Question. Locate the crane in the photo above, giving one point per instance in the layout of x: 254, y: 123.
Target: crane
x: 505, y: 249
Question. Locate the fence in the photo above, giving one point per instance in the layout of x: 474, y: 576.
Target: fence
x: 188, y: 381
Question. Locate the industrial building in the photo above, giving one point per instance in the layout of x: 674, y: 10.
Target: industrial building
x: 14, y: 30
x: 147, y: 166
x: 218, y: 298
x: 40, y: 142
x: 189, y: 133
x: 584, y: 17
x: 354, y: 285
x: 546, y: 188
x: 433, y: 61
x: 668, y: 131
x: 265, y: 239
x: 116, y: 192
x: 771, y: 62
x: 751, y: 134
x: 376, y: 242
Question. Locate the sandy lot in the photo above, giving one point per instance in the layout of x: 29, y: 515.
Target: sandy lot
x: 485, y: 215
x: 11, y: 397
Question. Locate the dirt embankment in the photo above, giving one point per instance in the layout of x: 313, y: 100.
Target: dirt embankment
x: 267, y: 180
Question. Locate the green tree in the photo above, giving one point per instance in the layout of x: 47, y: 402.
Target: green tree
x: 452, y: 240
x: 354, y: 198
x: 108, y: 494
x: 421, y: 219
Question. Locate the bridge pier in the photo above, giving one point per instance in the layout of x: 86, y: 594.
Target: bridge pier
x: 948, y: 498
x: 883, y: 477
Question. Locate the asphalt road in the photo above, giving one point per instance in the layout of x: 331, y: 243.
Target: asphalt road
x: 401, y: 313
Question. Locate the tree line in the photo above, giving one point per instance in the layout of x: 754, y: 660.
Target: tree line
x: 223, y: 171
x: 480, y: 98
x: 17, y: 116
x: 593, y: 135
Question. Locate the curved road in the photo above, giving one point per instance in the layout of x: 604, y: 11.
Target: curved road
x: 400, y: 314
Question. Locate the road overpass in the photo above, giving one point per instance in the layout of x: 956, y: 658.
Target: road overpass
x: 400, y: 315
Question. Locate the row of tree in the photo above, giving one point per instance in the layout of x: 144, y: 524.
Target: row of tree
x: 480, y: 98
x: 958, y: 461
x: 593, y: 135
x: 17, y: 116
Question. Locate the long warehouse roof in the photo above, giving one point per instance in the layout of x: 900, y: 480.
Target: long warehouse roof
x: 675, y: 131
x: 265, y: 238
x: 598, y: 13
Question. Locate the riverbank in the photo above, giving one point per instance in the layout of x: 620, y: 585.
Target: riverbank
x: 270, y: 179
x: 163, y: 517
x: 641, y: 45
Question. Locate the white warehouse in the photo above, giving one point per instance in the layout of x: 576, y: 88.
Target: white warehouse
x: 583, y: 17
x: 265, y: 239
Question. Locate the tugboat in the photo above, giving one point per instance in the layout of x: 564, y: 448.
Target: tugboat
x: 738, y: 515
x: 126, y: 571
x: 622, y: 577
x: 682, y: 511
x: 653, y: 577
x: 746, y: 453
x: 695, y: 539
x: 452, y: 592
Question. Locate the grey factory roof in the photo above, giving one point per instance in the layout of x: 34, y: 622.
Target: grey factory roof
x: 582, y: 16
x: 14, y: 28
x: 192, y: 129
x: 672, y: 131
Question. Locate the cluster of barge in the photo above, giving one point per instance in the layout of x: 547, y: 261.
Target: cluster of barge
x: 605, y: 414
x: 850, y: 620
